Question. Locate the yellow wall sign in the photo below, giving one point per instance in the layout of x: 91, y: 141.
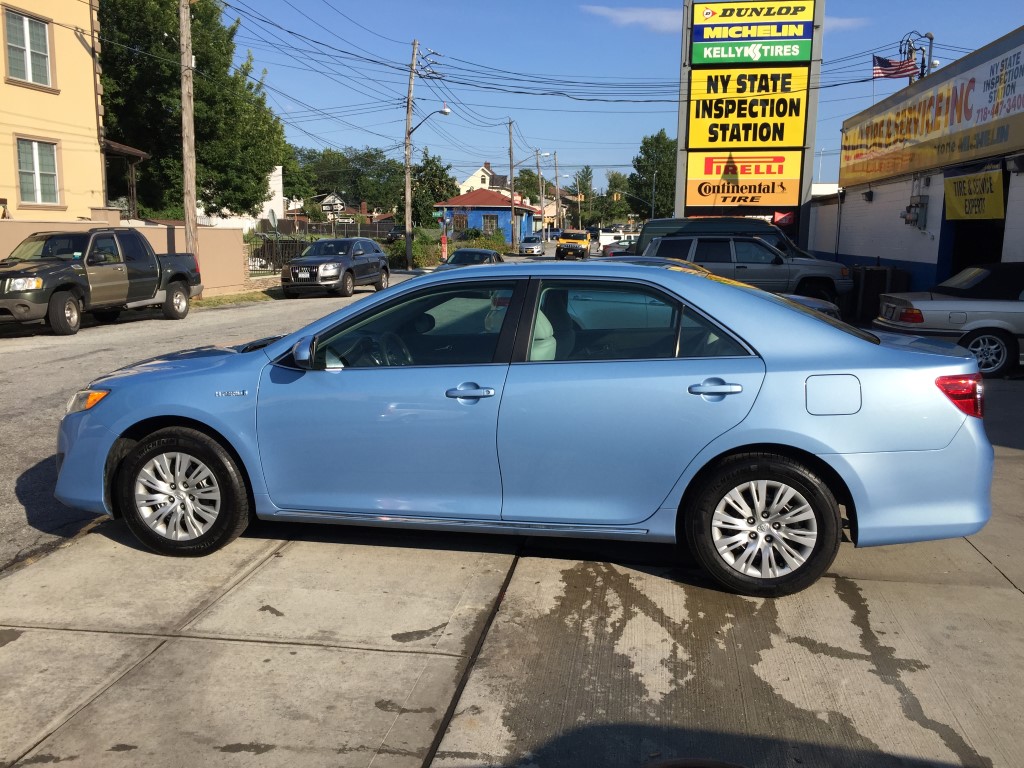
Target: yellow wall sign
x: 975, y: 196
x: 747, y: 108
x: 743, y: 178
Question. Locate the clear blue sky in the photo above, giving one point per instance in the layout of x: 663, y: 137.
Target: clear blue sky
x: 588, y: 81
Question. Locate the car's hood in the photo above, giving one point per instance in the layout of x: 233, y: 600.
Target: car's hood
x: 190, y: 360
x: 314, y: 261
x: 10, y: 268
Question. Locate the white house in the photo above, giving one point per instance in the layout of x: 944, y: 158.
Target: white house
x: 483, y: 178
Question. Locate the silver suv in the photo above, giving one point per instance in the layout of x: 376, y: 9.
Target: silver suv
x: 753, y: 261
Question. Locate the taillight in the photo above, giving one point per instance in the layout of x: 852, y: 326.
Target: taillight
x: 911, y: 316
x: 967, y: 392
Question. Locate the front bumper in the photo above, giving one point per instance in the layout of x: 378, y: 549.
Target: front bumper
x: 82, y: 450
x: 571, y: 252
x: 23, y: 307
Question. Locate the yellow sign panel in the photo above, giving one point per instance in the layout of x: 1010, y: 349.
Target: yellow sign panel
x: 770, y: 12
x: 747, y: 108
x: 743, y: 178
x: 975, y: 196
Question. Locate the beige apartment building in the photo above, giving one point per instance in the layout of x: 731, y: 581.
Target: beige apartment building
x: 51, y: 161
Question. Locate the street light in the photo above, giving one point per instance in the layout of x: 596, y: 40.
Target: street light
x: 408, y: 177
x: 540, y: 190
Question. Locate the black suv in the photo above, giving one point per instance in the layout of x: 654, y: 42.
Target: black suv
x: 395, y: 233
x: 336, y: 265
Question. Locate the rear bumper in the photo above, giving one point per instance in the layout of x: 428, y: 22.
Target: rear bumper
x: 906, y: 496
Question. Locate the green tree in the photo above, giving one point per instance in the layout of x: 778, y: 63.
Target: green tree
x: 238, y: 138
x: 655, y: 170
x: 298, y: 177
x: 432, y: 182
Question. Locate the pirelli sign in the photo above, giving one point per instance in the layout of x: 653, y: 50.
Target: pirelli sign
x: 743, y: 178
x: 748, y: 102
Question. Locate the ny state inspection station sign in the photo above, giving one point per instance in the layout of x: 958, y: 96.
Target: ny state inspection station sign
x: 752, y: 32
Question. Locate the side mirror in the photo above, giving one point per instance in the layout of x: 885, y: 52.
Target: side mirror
x: 302, y: 353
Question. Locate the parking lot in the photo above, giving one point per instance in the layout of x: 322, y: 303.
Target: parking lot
x: 340, y: 646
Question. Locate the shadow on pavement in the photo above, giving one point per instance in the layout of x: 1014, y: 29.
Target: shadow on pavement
x: 651, y: 746
x: 34, y: 489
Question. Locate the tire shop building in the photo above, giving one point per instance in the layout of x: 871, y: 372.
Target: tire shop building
x: 932, y: 178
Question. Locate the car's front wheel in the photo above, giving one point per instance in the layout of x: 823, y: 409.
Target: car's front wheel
x: 347, y: 286
x: 64, y: 313
x: 764, y: 525
x: 181, y: 493
x: 996, y: 351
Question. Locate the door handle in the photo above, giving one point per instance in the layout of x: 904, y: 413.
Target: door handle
x: 741, y: 266
x: 470, y: 393
x: 715, y: 389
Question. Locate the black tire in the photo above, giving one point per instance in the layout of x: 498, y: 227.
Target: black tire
x: 749, y: 548
x: 818, y: 289
x: 64, y: 313
x: 106, y: 315
x: 383, y: 281
x: 997, y: 352
x: 176, y: 303
x: 348, y: 285
x: 222, y: 506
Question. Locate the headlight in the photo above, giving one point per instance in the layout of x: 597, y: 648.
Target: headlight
x: 85, y: 399
x: 24, y: 283
x: 330, y: 267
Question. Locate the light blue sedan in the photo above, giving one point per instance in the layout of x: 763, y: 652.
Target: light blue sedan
x: 599, y: 400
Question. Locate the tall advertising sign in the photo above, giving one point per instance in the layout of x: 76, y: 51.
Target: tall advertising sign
x: 749, y: 107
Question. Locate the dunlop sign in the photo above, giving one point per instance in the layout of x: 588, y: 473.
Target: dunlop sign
x: 743, y: 178
x: 752, y: 32
x: 976, y: 196
x: 748, y: 108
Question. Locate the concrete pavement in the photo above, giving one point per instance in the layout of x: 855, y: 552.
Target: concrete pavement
x: 332, y: 646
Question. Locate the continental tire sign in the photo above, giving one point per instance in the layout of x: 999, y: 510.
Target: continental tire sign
x: 743, y: 178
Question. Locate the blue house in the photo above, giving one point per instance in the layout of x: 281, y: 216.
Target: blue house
x: 487, y: 211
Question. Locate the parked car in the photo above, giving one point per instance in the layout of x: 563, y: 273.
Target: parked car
x: 573, y: 244
x: 619, y: 246
x: 336, y: 265
x: 980, y: 308
x: 395, y: 233
x: 751, y: 260
x: 467, y: 257
x: 596, y: 400
x: 56, y: 276
x: 719, y: 225
x: 531, y: 245
x: 818, y: 305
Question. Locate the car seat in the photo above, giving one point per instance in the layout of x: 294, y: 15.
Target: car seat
x: 555, y: 306
x: 543, y: 345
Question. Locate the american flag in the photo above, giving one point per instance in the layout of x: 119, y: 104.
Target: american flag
x: 890, y: 68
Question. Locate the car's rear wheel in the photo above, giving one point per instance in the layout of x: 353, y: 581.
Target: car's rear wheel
x: 764, y: 525
x: 64, y: 313
x: 181, y: 493
x: 176, y: 303
x: 382, y: 281
x: 996, y: 351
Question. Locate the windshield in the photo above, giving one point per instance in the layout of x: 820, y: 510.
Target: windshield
x: 575, y: 236
x: 67, y: 245
x: 327, y: 248
x: 468, y: 257
x: 531, y: 239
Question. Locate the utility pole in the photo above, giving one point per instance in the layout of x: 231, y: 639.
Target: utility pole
x: 408, y: 157
x: 654, y: 181
x: 558, y: 196
x: 188, y: 132
x: 540, y: 195
x: 512, y: 185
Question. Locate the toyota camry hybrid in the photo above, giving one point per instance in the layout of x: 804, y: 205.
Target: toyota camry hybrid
x: 598, y: 400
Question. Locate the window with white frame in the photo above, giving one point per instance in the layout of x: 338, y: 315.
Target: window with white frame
x: 490, y: 223
x: 37, y: 171
x: 28, y: 48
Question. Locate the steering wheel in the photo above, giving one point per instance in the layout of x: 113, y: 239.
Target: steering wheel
x: 393, y: 350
